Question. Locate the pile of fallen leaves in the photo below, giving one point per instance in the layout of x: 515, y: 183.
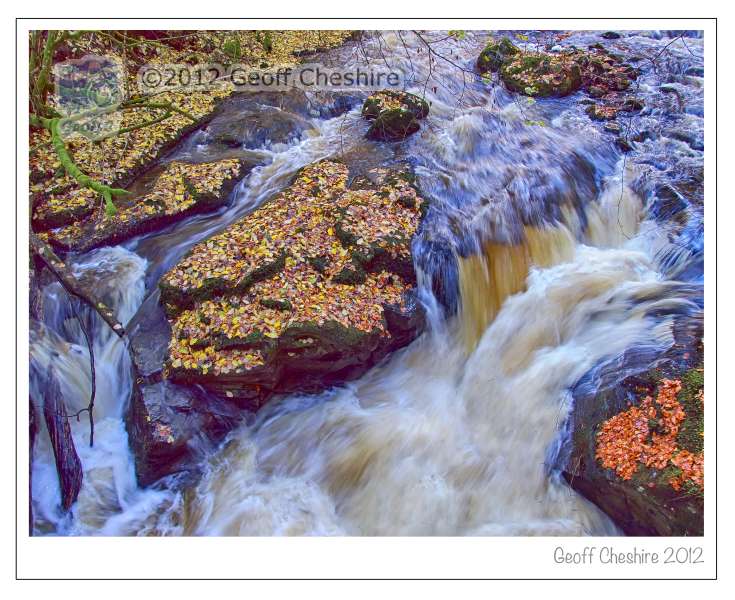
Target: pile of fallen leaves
x: 647, y: 435
x: 317, y: 252
x: 57, y: 199
x: 180, y: 188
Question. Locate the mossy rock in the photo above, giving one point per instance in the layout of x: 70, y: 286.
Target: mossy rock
x: 387, y: 99
x: 495, y: 55
x: 395, y: 115
x: 542, y: 75
x: 393, y: 125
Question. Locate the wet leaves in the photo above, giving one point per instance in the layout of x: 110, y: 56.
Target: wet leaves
x: 179, y: 188
x: 647, y: 435
x: 320, y: 230
x: 57, y: 198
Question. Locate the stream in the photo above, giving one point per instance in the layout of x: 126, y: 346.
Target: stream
x: 565, y: 252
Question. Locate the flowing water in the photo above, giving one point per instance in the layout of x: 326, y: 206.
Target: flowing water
x: 545, y: 252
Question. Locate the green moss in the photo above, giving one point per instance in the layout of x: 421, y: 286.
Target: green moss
x: 282, y: 305
x: 495, y: 54
x: 320, y: 263
x: 691, y: 431
x: 351, y: 276
x: 393, y: 125
x: 175, y: 299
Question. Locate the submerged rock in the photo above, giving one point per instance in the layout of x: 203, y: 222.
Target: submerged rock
x: 636, y: 445
x: 395, y: 115
x: 311, y: 289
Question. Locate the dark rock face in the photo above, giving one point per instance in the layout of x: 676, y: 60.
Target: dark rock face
x: 68, y: 465
x: 264, y: 124
x: 169, y: 426
x: 149, y: 333
x: 646, y: 504
x: 395, y: 115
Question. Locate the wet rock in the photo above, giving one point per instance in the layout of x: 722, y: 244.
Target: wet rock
x: 395, y: 115
x: 691, y: 138
x: 695, y: 72
x: 623, y: 144
x: 495, y: 54
x: 602, y: 112
x: 310, y: 290
x: 611, y: 35
x: 174, y: 192
x: 542, y: 75
x: 645, y: 504
x: 149, y: 333
x: 597, y: 91
x: 261, y: 126
x: 171, y: 426
x: 557, y: 74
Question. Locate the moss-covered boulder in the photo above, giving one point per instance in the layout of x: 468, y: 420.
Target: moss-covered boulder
x: 495, y: 54
x: 637, y: 445
x: 542, y: 75
x: 311, y: 289
x: 179, y: 189
x: 395, y: 115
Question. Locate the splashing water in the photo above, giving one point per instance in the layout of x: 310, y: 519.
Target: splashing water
x: 553, y: 266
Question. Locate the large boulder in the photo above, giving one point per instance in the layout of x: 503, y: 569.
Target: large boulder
x: 310, y: 290
x: 636, y: 447
x: 395, y: 115
x: 556, y: 74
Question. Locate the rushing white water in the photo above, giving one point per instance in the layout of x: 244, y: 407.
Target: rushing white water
x: 109, y: 486
x: 445, y: 437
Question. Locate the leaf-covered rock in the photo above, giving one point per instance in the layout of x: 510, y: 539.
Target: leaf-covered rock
x: 309, y: 290
x: 395, y: 115
x: 181, y: 189
x: 543, y: 75
x: 636, y: 448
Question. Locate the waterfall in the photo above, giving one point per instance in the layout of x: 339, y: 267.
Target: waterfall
x: 538, y: 259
